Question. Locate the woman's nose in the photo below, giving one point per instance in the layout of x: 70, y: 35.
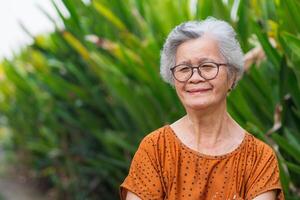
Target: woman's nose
x: 196, y: 75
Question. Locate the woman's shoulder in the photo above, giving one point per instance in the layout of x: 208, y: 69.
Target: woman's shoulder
x: 155, y: 137
x: 259, y: 146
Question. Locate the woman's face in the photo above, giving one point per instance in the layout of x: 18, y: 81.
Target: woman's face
x: 198, y: 93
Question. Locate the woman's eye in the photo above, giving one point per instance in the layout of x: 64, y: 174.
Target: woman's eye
x: 184, y: 69
x: 207, y: 67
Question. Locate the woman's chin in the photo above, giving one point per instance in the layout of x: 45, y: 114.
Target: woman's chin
x: 197, y: 105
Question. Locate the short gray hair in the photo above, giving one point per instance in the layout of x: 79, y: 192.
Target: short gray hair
x: 220, y: 30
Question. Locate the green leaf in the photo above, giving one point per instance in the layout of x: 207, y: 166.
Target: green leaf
x: 109, y: 15
x: 293, y: 167
x: 293, y: 43
x: 269, y: 50
x: 289, y: 148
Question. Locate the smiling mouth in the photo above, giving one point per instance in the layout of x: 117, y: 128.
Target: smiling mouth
x: 198, y: 90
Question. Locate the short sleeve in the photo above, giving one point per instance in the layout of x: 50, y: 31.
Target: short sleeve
x: 144, y: 178
x: 265, y: 176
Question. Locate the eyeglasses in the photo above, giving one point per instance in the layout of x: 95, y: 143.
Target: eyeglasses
x: 207, y: 70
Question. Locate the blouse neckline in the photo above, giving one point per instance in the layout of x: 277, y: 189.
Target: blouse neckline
x: 202, y: 155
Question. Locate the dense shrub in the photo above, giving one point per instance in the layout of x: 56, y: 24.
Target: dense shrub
x: 78, y: 100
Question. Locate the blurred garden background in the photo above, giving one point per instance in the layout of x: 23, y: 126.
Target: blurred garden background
x: 76, y: 102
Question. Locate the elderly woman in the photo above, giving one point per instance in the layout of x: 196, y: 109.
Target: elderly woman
x: 205, y: 154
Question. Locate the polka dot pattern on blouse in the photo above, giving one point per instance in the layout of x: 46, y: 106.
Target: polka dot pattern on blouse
x: 165, y: 168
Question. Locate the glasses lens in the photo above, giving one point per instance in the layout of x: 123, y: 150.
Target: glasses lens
x: 208, y: 70
x: 182, y: 72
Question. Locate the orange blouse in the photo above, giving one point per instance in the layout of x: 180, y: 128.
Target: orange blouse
x: 165, y: 168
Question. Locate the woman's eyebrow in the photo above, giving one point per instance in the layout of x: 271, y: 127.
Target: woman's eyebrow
x: 199, y: 61
x: 188, y: 62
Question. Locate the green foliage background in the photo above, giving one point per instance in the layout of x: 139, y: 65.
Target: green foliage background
x: 79, y: 100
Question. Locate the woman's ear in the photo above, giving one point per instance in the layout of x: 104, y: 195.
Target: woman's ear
x: 232, y: 81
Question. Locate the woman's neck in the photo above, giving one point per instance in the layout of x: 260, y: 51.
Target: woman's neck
x: 210, y: 125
